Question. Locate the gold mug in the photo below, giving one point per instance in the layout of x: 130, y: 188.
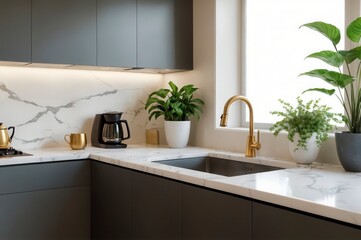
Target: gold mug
x: 77, y: 141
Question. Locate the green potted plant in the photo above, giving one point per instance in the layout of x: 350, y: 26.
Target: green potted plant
x: 348, y: 143
x: 307, y: 125
x: 176, y: 106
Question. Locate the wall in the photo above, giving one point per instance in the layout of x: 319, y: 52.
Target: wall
x: 210, y: 79
x: 44, y: 104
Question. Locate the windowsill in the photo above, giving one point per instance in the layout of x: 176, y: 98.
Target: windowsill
x: 262, y: 131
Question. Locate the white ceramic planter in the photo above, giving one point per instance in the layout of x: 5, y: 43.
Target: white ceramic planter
x: 177, y: 133
x: 302, y: 156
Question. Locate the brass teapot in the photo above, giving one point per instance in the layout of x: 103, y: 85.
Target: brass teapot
x: 5, y: 139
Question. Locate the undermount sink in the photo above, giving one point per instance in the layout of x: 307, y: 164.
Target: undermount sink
x: 218, y: 166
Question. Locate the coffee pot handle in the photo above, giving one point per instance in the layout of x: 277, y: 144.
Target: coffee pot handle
x: 12, y: 134
x: 126, y: 125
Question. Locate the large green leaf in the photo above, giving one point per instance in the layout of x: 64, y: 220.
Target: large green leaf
x: 156, y: 114
x: 188, y: 90
x: 353, y: 30
x: 152, y: 100
x: 323, y: 90
x: 197, y: 101
x: 162, y: 93
x: 330, y: 57
x: 351, y: 55
x: 334, y: 78
x: 328, y: 30
x: 173, y: 86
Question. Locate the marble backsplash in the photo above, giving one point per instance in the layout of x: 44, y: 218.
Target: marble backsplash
x: 45, y: 104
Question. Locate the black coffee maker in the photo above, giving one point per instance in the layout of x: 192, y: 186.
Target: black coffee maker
x: 107, y: 131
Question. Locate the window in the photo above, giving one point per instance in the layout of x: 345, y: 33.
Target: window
x: 275, y: 48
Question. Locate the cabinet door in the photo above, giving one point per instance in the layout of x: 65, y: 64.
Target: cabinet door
x: 49, y: 214
x: 64, y: 31
x: 15, y: 30
x: 270, y: 222
x: 156, y: 207
x: 116, y: 33
x: 207, y: 214
x: 42, y: 176
x: 165, y: 34
x: 111, y: 202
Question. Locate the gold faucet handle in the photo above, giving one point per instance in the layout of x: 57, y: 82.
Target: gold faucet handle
x: 257, y: 144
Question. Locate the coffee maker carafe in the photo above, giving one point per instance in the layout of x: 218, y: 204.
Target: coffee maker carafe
x: 108, y: 131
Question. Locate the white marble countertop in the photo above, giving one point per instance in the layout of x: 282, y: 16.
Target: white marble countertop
x: 324, y: 190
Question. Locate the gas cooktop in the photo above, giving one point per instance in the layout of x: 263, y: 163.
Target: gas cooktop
x: 12, y: 152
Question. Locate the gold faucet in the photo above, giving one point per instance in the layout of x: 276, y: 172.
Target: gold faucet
x: 252, y: 144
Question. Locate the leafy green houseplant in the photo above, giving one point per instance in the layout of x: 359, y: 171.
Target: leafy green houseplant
x: 174, y: 104
x: 305, y: 119
x: 348, y: 82
x: 347, y: 143
x: 177, y: 105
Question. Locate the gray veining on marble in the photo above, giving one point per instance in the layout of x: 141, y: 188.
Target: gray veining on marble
x: 46, y: 104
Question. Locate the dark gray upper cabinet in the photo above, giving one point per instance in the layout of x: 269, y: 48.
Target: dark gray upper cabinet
x: 15, y: 30
x: 64, y: 31
x: 145, y: 33
x: 116, y: 33
x: 112, y: 33
x: 165, y: 34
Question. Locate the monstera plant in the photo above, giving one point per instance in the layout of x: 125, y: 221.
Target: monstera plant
x: 345, y: 85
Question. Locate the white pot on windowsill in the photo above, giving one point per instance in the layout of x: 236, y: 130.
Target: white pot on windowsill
x: 301, y: 155
x: 177, y: 133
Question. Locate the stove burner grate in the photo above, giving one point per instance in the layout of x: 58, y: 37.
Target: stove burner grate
x: 9, y: 152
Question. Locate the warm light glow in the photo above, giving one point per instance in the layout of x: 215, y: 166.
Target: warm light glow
x: 276, y: 49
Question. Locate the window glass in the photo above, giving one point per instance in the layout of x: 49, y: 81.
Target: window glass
x: 275, y: 50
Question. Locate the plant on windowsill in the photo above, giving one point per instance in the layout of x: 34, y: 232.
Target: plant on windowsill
x: 308, y: 125
x: 347, y: 143
x: 177, y: 106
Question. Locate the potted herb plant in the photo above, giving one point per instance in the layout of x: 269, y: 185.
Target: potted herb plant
x: 177, y: 106
x: 307, y: 124
x: 348, y: 143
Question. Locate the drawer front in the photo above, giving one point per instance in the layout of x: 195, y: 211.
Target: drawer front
x: 55, y: 214
x: 33, y: 177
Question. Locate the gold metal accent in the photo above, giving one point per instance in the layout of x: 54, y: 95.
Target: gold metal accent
x: 152, y: 136
x: 77, y: 141
x: 5, y: 139
x: 252, y: 144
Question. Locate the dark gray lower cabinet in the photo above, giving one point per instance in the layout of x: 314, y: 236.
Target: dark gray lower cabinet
x: 156, y: 207
x: 130, y: 205
x: 270, y: 222
x: 207, y: 214
x: 111, y: 202
x: 49, y: 214
x: 89, y: 199
x: 45, y: 201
